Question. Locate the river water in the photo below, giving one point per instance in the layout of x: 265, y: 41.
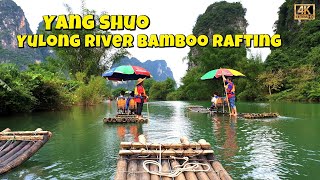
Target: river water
x: 82, y: 147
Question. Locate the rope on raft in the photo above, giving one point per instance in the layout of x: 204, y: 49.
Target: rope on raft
x: 177, y: 169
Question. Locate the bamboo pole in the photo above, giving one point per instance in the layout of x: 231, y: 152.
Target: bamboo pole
x: 13, y: 151
x: 121, y: 171
x: 144, y: 175
x: 19, y: 152
x: 188, y: 174
x: 211, y: 173
x: 225, y: 91
x: 184, y: 140
x: 174, y: 164
x: 6, y: 130
x: 138, y: 145
x: 200, y: 174
x: 165, y: 152
x: 24, y: 133
x: 25, y: 156
x: 166, y: 169
x: 8, y: 147
x: 222, y: 173
x: 21, y: 137
x: 154, y: 168
x: 132, y: 170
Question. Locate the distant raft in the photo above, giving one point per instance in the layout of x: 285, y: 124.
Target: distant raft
x: 124, y: 118
x: 201, y: 109
x: 167, y: 161
x: 18, y: 146
x: 259, y: 115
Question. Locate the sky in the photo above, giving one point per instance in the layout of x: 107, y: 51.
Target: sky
x: 166, y: 17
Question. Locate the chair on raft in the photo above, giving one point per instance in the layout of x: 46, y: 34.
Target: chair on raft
x: 121, y: 105
x: 132, y: 106
x: 220, y: 105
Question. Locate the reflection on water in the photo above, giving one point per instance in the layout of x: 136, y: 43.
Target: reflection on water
x: 82, y: 147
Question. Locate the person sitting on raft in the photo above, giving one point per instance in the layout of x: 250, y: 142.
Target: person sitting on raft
x: 131, y: 104
x: 121, y: 100
x: 214, y: 101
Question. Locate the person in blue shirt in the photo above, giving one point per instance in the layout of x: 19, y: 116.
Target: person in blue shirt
x: 231, y: 94
x: 128, y: 101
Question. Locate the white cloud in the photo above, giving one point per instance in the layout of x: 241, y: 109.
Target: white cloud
x: 167, y: 17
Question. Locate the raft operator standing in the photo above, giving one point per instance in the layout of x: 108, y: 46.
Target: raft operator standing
x: 231, y: 93
x: 140, y: 96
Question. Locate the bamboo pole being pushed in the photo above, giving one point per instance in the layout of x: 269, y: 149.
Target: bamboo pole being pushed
x: 144, y: 175
x: 222, y: 173
x: 211, y: 173
x: 189, y: 174
x: 121, y: 172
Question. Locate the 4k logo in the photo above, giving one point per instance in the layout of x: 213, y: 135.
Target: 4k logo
x: 304, y: 11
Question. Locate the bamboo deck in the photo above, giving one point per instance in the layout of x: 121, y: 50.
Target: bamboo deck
x: 124, y: 118
x: 18, y: 146
x: 201, y: 109
x: 134, y: 161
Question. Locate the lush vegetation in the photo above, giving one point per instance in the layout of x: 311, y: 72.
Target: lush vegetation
x: 290, y: 72
x: 72, y: 76
x: 156, y: 90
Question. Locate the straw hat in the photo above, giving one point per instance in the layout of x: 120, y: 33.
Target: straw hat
x: 140, y: 80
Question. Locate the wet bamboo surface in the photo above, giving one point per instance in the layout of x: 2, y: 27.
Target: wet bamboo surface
x: 18, y: 146
x: 124, y: 118
x: 131, y: 164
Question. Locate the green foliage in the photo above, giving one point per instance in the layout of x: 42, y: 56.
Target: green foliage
x: 298, y: 57
x: 93, y: 92
x: 147, y: 84
x: 160, y: 90
x: 91, y: 61
x: 272, y: 80
x: 116, y: 92
x: 20, y: 97
x: 221, y: 18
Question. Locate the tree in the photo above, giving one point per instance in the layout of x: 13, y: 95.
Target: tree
x: 91, y: 61
x: 160, y: 90
x: 272, y: 80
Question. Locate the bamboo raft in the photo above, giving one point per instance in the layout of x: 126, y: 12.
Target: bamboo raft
x: 259, y: 115
x: 201, y: 109
x: 17, y: 147
x: 180, y: 161
x: 124, y: 118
